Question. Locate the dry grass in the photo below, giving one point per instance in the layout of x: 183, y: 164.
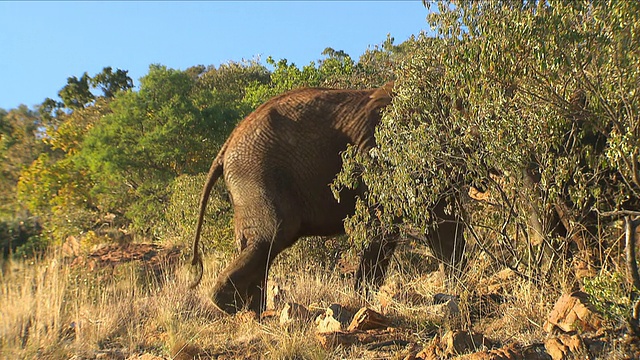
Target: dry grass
x: 51, y: 310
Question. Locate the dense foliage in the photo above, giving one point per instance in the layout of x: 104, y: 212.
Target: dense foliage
x: 108, y: 155
x: 539, y: 101
x: 547, y: 121
x: 523, y: 115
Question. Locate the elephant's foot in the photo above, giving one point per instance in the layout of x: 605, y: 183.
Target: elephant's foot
x: 227, y: 298
x: 231, y: 298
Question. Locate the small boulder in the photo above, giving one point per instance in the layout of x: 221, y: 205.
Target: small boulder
x: 367, y: 319
x: 565, y: 347
x: 339, y: 313
x: 327, y: 324
x: 460, y: 342
x: 440, y: 298
x: 335, y: 318
x: 572, y: 312
x: 509, y: 352
x: 429, y: 353
x: 293, y: 311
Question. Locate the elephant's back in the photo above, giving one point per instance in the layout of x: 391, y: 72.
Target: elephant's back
x: 297, y: 126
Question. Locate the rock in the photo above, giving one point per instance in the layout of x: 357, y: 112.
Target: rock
x: 440, y: 298
x: 565, y: 347
x: 335, y: 318
x: 339, y: 313
x: 429, y: 353
x: 460, y: 342
x: 366, y: 319
x: 275, y: 295
x: 535, y: 352
x: 327, y: 324
x: 572, y: 312
x: 504, y: 353
x: 441, y: 312
x: 293, y: 311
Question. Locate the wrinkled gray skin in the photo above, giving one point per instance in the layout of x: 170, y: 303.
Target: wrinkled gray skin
x: 277, y: 165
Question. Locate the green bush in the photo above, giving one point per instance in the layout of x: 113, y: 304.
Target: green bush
x: 21, y: 237
x: 609, y: 295
x: 35, y: 245
x: 182, y: 213
x: 496, y: 90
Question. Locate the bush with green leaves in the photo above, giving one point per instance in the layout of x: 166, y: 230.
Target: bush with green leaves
x: 543, y: 88
x: 182, y: 213
x: 21, y: 237
x: 609, y: 295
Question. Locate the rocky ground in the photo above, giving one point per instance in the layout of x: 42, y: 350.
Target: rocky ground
x: 574, y: 329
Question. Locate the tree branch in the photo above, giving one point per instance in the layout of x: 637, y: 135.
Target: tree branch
x: 618, y: 213
x: 630, y: 226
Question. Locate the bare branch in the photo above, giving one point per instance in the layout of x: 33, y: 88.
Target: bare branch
x: 618, y: 213
x: 495, y: 258
x: 630, y: 226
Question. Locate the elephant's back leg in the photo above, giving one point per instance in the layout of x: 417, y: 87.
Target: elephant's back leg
x: 447, y: 238
x: 263, y: 228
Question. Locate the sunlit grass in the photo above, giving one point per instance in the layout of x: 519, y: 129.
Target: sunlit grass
x: 53, y: 310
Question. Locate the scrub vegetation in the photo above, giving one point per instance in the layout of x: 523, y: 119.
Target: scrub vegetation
x: 524, y: 115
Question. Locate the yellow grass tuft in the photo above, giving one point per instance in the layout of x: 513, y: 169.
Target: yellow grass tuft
x: 53, y: 310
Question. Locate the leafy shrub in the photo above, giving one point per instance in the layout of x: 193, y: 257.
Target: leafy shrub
x: 609, y: 295
x: 496, y: 90
x: 21, y: 237
x: 182, y: 213
x: 34, y: 246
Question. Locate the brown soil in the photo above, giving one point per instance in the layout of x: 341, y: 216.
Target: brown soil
x: 150, y: 255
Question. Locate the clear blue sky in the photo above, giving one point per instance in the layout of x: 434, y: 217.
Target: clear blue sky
x: 43, y: 43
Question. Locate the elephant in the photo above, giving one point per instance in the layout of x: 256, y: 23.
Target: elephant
x: 278, y: 164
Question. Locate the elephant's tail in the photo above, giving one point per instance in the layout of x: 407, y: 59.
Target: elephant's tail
x: 214, y: 173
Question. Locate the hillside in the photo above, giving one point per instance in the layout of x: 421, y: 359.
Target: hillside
x: 519, y: 122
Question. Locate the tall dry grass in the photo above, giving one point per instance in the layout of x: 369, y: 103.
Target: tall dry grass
x: 51, y: 310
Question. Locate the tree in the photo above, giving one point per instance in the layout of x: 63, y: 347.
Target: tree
x: 77, y: 93
x: 172, y: 126
x: 496, y: 90
x: 112, y: 82
x: 20, y: 144
x: 58, y: 186
x: 374, y: 68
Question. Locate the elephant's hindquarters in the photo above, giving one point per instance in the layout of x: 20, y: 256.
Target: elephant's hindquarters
x: 305, y: 178
x: 288, y: 180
